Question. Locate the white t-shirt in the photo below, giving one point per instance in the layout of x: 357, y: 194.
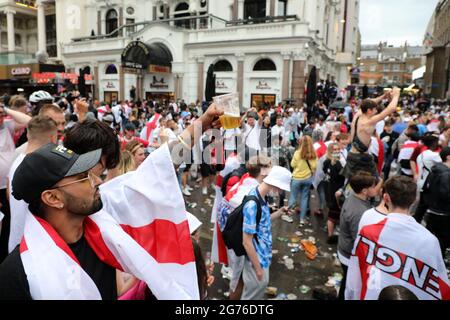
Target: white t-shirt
x: 425, y: 162
x: 251, y: 136
x: 229, y: 138
x: 19, y: 209
x: 7, y: 150
x: 371, y: 216
x: 379, y: 127
x: 277, y: 131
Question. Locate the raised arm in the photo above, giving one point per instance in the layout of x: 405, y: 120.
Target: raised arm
x: 392, y: 107
x: 20, y: 118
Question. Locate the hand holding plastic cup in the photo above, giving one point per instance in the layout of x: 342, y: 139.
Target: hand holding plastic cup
x: 230, y: 104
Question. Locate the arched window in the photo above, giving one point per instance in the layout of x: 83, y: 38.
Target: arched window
x: 223, y: 66
x: 182, y: 10
x: 265, y: 65
x: 254, y: 9
x: 111, y: 69
x: 112, y: 22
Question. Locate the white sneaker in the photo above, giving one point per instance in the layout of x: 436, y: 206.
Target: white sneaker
x: 287, y: 218
x: 186, y: 192
x: 188, y: 188
x: 204, y: 191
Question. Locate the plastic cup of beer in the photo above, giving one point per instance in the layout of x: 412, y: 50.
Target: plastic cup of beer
x: 230, y: 104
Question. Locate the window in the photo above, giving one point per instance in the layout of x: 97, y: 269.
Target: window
x: 410, y: 68
x: 18, y: 40
x: 202, y: 3
x: 386, y: 68
x: 182, y: 10
x: 373, y: 67
x: 112, y: 22
x: 265, y: 65
x: 396, y: 67
x: 282, y: 7
x: 395, y: 78
x: 371, y: 81
x: 111, y: 69
x: 131, y: 29
x: 254, y: 9
x: 362, y: 68
x: 223, y: 66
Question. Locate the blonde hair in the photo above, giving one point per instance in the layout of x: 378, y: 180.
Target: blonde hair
x: 133, y: 146
x: 126, y: 163
x: 306, y: 149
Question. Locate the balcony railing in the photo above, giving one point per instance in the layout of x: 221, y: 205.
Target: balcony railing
x: 268, y: 19
x: 208, y: 21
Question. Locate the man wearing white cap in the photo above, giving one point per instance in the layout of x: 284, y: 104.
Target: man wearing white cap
x: 257, y: 237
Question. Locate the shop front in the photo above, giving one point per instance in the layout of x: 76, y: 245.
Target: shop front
x: 225, y: 85
x: 264, y: 92
x: 110, y: 90
x: 28, y: 78
x: 151, y: 66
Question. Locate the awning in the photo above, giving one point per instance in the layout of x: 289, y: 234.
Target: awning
x: 138, y: 55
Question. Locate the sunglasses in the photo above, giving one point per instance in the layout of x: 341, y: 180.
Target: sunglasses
x: 91, y: 177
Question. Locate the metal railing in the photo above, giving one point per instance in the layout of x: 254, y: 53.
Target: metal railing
x: 208, y: 21
x: 260, y: 20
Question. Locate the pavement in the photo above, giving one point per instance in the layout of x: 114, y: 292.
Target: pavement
x: 303, y: 279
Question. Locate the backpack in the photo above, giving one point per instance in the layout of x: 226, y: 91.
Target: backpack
x: 239, y: 172
x: 232, y: 233
x: 437, y: 188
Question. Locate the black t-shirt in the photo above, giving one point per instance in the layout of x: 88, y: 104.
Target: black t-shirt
x: 14, y: 283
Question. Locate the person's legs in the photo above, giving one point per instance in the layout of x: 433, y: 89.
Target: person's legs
x: 237, y: 294
x: 341, y: 295
x: 253, y: 288
x: 305, y: 189
x: 295, y: 187
x: 322, y: 198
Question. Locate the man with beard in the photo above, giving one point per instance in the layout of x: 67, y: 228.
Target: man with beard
x: 60, y: 195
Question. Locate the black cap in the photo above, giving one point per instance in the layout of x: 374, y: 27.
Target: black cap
x: 43, y: 168
x: 130, y: 126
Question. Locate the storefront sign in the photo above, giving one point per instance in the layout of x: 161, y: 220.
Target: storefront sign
x: 263, y: 85
x: 158, y: 69
x: 110, y: 85
x: 136, y: 55
x: 220, y: 84
x: 54, y: 75
x: 20, y: 71
x: 159, y: 82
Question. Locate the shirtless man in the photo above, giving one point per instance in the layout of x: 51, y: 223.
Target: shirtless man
x: 363, y: 127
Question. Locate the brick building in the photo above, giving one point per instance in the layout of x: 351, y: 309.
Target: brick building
x: 386, y: 65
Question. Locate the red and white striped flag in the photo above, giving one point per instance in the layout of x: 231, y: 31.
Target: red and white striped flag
x: 396, y: 251
x: 142, y: 230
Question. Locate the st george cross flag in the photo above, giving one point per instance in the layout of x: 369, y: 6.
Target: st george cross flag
x: 396, y: 251
x: 218, y: 251
x: 142, y: 230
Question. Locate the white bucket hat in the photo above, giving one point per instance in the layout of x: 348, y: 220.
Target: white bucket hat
x: 279, y: 177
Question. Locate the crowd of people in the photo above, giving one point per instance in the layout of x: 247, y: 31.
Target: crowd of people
x: 380, y: 167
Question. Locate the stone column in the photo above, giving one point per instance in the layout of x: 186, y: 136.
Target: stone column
x: 120, y: 21
x: 99, y: 22
x: 272, y: 7
x: 298, y: 78
x: 42, y: 38
x: 139, y: 82
x: 96, y: 92
x: 234, y: 11
x: 309, y: 15
x: 178, y: 86
x: 240, y: 9
x: 286, y: 72
x: 200, y: 78
x: 240, y: 76
x: 11, y: 33
x: 122, y: 83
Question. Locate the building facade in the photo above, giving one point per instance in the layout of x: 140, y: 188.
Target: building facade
x: 261, y: 48
x: 437, y: 75
x: 384, y: 65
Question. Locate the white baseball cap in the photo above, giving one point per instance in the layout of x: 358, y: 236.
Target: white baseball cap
x: 291, y: 110
x: 193, y: 222
x: 279, y: 177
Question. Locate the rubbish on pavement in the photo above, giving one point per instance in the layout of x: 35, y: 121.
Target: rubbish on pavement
x: 295, y: 250
x: 274, y: 251
x: 312, y: 240
x: 291, y: 296
x: 304, y: 289
x: 272, y: 291
x: 298, y: 233
x: 310, y: 249
x: 324, y: 293
x: 293, y: 245
x: 309, y: 231
x: 282, y: 239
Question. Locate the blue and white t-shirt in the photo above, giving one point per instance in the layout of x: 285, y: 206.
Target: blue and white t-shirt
x: 263, y: 230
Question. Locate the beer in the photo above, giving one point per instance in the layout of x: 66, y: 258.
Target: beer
x: 230, y: 122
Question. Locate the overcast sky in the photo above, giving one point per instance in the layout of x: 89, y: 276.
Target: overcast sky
x: 395, y: 21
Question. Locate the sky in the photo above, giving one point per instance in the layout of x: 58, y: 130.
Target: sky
x: 395, y: 21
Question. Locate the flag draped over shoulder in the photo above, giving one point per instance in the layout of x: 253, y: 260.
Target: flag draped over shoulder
x: 142, y: 230
x: 396, y: 251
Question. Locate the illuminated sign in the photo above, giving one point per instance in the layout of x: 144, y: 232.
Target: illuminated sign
x: 20, y: 71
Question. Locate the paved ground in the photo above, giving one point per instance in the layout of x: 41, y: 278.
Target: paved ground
x: 308, y: 273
